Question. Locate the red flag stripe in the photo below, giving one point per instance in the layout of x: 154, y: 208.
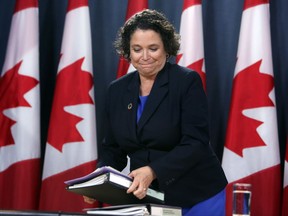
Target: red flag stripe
x: 189, y: 3
x: 134, y: 7
x: 55, y: 185
x: 285, y: 201
x: 263, y: 192
x: 123, y: 67
x: 252, y: 3
x: 23, y: 4
x: 22, y: 187
x: 76, y: 4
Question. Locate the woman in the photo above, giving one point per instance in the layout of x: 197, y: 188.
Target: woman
x: 158, y: 116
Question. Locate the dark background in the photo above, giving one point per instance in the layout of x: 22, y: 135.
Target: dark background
x: 221, y: 20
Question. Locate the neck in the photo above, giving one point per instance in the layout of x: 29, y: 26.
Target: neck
x: 146, y: 86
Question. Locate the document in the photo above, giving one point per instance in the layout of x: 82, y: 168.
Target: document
x: 108, y: 185
x: 137, y: 209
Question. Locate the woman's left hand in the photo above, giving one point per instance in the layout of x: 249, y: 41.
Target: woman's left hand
x: 142, y: 178
x: 89, y: 200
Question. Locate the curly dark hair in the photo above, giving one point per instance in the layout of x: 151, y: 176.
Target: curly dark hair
x: 145, y: 20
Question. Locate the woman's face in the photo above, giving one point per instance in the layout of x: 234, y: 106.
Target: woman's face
x: 147, y: 53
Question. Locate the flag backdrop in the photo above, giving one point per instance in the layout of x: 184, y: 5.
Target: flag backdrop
x: 19, y: 112
x: 191, y: 52
x: 71, y: 149
x: 251, y: 153
x: 221, y: 26
x: 133, y: 7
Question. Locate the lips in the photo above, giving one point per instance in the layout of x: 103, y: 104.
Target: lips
x: 146, y: 65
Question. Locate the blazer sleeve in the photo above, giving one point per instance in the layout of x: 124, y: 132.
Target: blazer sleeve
x: 194, y: 143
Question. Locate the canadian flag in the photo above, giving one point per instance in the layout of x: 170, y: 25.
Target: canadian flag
x: 285, y: 185
x: 124, y: 66
x: 251, y: 152
x: 71, y: 148
x: 133, y: 7
x: 191, y: 53
x: 20, y: 112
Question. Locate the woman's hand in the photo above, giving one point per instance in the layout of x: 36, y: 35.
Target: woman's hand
x: 89, y: 200
x: 142, y: 178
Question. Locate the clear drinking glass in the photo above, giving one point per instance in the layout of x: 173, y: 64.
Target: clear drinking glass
x: 241, y: 199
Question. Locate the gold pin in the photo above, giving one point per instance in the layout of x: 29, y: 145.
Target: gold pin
x: 129, y: 106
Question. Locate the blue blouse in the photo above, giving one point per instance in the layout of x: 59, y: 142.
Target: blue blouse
x: 141, y: 104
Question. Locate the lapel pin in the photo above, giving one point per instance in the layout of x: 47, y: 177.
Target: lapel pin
x: 129, y: 106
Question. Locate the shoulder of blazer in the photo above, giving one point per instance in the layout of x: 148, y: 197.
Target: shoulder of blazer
x: 182, y: 73
x: 126, y: 80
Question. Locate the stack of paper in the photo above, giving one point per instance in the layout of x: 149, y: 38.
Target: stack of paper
x: 137, y: 209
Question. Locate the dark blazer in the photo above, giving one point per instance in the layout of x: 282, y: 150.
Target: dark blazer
x: 171, y: 136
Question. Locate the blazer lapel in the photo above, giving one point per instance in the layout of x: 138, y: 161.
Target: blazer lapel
x: 159, y: 90
x: 130, y: 102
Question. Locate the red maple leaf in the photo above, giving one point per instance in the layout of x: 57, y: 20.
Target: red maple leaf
x: 13, y: 87
x: 72, y: 88
x: 196, y: 66
x: 250, y: 90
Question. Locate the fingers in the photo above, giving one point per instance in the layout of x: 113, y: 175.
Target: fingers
x: 89, y: 200
x: 142, y: 178
x: 134, y: 186
x: 143, y: 194
x: 138, y: 189
x: 137, y: 185
x: 140, y: 193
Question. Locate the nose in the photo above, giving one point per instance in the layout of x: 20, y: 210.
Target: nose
x: 145, y: 54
